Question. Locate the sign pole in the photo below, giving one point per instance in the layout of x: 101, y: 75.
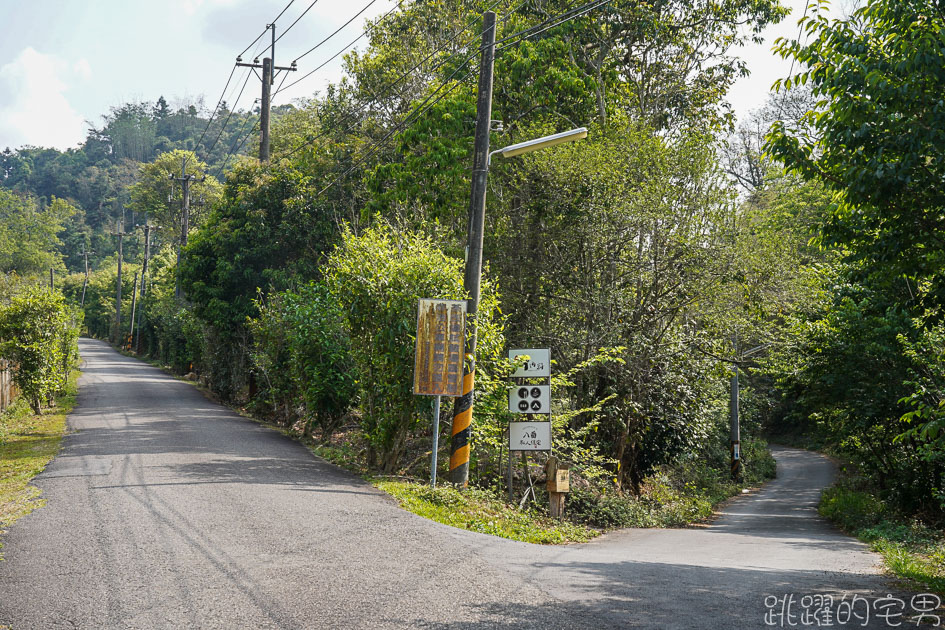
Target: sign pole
x: 438, y: 361
x: 509, y: 433
x: 436, y: 440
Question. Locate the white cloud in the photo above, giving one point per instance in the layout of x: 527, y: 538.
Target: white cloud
x: 82, y: 69
x: 37, y: 111
x: 192, y: 6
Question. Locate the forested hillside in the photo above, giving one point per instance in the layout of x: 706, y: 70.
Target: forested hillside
x: 650, y: 257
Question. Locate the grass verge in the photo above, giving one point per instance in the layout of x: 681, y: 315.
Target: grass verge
x: 910, y: 549
x: 481, y: 511
x: 27, y: 443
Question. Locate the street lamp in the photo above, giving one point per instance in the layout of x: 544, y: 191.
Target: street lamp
x: 462, y: 411
x: 541, y: 143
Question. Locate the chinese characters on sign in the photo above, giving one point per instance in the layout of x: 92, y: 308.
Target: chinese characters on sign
x: 538, y: 364
x: 827, y: 611
x: 529, y: 436
x: 441, y: 336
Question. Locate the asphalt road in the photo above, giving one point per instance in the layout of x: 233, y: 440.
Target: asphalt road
x: 168, y: 511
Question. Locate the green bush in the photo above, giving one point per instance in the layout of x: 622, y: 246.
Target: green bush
x: 377, y: 279
x: 851, y: 509
x: 38, y: 335
x: 302, y: 354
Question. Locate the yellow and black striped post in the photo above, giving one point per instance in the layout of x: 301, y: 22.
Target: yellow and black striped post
x: 462, y: 421
x: 462, y: 412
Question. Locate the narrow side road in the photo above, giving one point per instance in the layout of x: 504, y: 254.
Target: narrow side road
x: 168, y: 511
x: 739, y: 571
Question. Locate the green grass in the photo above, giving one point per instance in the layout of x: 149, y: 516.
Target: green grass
x: 911, y: 550
x: 481, y: 511
x: 27, y: 443
x: 674, y: 496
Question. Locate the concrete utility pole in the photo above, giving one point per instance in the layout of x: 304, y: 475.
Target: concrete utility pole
x: 144, y: 271
x: 120, y: 234
x: 185, y: 180
x: 85, y: 254
x: 134, y: 304
x: 269, y: 69
x: 462, y: 411
x: 733, y: 420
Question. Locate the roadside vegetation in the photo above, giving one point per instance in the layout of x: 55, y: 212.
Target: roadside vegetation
x: 911, y: 548
x: 38, y: 337
x: 802, y: 246
x: 28, y: 442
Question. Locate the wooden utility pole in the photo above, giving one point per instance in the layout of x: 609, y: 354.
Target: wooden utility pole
x: 269, y: 70
x: 185, y: 180
x: 462, y: 411
x: 51, y: 287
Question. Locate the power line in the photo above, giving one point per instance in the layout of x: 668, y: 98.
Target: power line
x: 409, y: 120
x: 333, y: 57
x: 567, y: 16
x: 413, y: 68
x: 230, y: 78
x: 337, y: 30
x: 229, y: 114
x: 314, y: 2
x: 284, y: 9
x: 214, y: 112
x: 234, y: 149
x: 426, y: 105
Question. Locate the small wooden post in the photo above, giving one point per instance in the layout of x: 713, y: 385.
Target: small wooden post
x: 558, y: 484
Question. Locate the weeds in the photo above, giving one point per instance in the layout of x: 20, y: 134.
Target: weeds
x: 910, y: 548
x: 27, y: 443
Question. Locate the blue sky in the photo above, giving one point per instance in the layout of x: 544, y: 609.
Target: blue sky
x: 63, y: 63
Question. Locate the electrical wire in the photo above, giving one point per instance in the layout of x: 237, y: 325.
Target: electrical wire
x: 228, y: 115
x: 337, y: 30
x: 391, y: 84
x: 314, y: 2
x: 234, y: 149
x: 333, y: 57
x: 409, y: 120
x: 258, y: 37
x: 427, y: 104
x: 567, y: 16
x: 216, y: 107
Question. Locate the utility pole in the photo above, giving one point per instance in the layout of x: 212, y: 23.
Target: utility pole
x: 85, y: 254
x: 269, y: 70
x: 733, y: 420
x: 51, y: 287
x: 733, y: 396
x: 185, y: 180
x: 144, y: 271
x: 120, y: 234
x: 134, y: 304
x: 462, y: 410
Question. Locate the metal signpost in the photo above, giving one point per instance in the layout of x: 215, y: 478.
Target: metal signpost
x: 529, y: 398
x: 530, y: 436
x: 438, y: 362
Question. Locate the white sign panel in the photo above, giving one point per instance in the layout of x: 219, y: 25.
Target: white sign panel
x: 538, y: 365
x: 529, y: 436
x: 530, y: 399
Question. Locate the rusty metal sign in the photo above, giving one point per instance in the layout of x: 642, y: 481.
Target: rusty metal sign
x: 441, y: 337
